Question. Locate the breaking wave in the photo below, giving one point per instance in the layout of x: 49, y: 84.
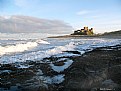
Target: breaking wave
x: 81, y: 46
x: 21, y: 47
x: 37, y: 55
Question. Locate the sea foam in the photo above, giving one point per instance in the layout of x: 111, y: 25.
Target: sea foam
x: 21, y: 47
x: 81, y: 45
x: 37, y: 55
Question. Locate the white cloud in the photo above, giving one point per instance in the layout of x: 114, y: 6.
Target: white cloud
x: 6, y: 16
x: 27, y: 24
x: 83, y: 12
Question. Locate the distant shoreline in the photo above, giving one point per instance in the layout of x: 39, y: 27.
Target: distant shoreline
x: 115, y: 36
x: 68, y: 36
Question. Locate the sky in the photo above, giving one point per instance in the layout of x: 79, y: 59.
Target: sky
x: 102, y: 15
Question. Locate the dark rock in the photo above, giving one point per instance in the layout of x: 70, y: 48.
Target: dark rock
x: 74, y: 52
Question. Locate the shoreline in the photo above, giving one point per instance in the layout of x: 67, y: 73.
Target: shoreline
x: 93, y: 70
x: 69, y: 36
x: 88, y: 36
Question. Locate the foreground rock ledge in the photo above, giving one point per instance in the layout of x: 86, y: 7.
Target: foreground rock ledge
x: 97, y: 70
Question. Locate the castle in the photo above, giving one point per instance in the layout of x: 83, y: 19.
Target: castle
x: 84, y: 31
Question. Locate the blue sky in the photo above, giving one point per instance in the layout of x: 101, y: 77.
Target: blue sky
x: 103, y: 15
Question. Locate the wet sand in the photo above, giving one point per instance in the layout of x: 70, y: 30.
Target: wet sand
x: 98, y: 70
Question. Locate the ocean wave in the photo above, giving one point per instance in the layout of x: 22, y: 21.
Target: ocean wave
x: 37, y: 55
x: 42, y: 41
x: 81, y: 46
x: 48, y: 53
x: 20, y: 47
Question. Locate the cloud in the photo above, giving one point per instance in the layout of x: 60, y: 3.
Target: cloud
x: 27, y: 24
x: 83, y: 12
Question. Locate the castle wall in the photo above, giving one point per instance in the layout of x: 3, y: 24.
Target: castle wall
x: 84, y: 31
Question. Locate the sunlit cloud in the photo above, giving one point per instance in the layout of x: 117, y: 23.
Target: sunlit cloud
x: 26, y: 24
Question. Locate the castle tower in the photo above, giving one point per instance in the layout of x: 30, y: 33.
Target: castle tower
x: 91, y: 29
x: 85, y: 28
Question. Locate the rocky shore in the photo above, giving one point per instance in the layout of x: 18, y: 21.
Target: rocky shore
x: 97, y: 70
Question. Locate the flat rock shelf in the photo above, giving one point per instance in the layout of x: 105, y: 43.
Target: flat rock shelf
x: 95, y: 70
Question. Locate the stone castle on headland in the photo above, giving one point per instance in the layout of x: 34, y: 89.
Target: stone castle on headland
x: 84, y: 31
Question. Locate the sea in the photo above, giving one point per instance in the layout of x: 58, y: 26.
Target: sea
x: 19, y: 48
